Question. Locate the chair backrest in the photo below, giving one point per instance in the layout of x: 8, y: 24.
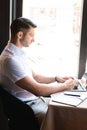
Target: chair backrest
x: 20, y: 114
x: 3, y: 118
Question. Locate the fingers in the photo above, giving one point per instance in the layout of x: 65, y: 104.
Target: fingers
x: 71, y: 83
x: 63, y: 79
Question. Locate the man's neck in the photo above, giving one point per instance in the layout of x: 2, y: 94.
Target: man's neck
x: 16, y: 42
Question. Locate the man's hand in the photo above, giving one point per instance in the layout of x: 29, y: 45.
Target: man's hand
x: 63, y: 79
x: 71, y: 83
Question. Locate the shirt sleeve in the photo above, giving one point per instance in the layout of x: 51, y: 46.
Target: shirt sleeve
x: 14, y: 69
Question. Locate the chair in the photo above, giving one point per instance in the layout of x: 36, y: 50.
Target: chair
x: 20, y: 115
x: 3, y: 118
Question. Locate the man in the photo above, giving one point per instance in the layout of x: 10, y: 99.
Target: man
x: 16, y: 73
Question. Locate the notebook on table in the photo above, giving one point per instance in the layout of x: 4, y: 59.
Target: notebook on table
x: 67, y: 100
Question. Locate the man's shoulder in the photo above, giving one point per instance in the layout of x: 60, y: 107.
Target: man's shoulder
x: 8, y: 61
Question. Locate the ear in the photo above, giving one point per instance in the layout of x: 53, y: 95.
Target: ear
x: 20, y: 34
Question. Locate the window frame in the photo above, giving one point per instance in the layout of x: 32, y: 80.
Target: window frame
x: 83, y: 44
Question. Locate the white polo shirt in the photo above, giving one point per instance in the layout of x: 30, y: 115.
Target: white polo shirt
x: 14, y: 65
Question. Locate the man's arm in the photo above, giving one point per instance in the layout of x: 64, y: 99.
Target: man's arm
x: 43, y: 79
x: 49, y: 79
x: 43, y: 89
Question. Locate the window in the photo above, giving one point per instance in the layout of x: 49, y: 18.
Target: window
x: 57, y: 40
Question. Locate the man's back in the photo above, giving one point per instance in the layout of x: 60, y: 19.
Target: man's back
x: 14, y: 66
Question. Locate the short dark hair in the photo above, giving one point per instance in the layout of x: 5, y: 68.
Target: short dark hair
x: 21, y: 24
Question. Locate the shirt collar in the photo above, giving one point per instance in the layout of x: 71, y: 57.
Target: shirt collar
x: 14, y: 50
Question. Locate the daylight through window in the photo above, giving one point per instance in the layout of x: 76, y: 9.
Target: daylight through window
x: 57, y: 39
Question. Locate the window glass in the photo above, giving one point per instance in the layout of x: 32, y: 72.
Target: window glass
x: 57, y: 39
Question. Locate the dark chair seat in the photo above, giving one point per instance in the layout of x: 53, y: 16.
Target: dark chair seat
x: 20, y: 115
